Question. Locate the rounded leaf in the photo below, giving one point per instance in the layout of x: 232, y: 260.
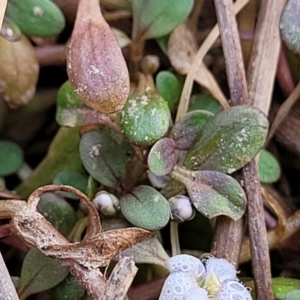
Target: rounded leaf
x: 293, y: 295
x: 213, y: 193
x: 205, y: 102
x: 19, y: 71
x: 11, y: 158
x: 39, y: 18
x: 58, y: 212
x: 268, y: 167
x: 161, y: 158
x: 145, y: 207
x: 290, y: 25
x: 229, y: 140
x: 169, y: 87
x: 145, y: 119
x: 74, y: 179
x: 69, y: 289
x: 104, y: 154
x: 153, y: 19
x: 186, y: 129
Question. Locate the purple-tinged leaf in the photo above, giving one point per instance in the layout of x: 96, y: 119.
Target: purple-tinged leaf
x: 161, y: 158
x: 186, y: 129
x: 213, y: 193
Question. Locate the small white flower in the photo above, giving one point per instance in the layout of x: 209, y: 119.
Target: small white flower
x: 190, y: 279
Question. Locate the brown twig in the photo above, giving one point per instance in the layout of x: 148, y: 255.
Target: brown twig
x: 228, y: 234
x: 7, y: 289
x: 261, y: 75
x: 51, y: 55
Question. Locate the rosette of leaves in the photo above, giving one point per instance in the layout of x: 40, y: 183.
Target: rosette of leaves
x: 220, y: 144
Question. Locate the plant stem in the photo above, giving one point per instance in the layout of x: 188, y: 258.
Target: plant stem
x: 174, y: 238
x: 228, y: 235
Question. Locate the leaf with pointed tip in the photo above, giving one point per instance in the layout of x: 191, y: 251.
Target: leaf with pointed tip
x: 161, y: 158
x: 229, y: 140
x: 145, y: 207
x: 186, y: 129
x: 104, y: 154
x: 153, y: 19
x: 213, y: 193
x: 39, y: 273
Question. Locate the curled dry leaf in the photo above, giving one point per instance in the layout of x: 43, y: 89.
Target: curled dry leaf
x: 181, y: 51
x: 100, y: 250
x: 19, y: 72
x: 95, y: 64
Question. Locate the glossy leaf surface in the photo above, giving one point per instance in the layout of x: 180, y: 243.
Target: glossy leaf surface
x: 153, y: 19
x: 104, y: 154
x: 39, y: 273
x: 39, y: 18
x: 145, y: 207
x: 161, y: 158
x: 213, y: 193
x: 186, y: 129
x: 229, y: 140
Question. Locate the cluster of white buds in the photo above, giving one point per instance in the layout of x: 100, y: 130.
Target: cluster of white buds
x: 192, y: 279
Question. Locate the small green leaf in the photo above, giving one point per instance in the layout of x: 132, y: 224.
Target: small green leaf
x: 147, y: 252
x: 145, y: 207
x: 205, y: 102
x: 104, y: 154
x: 169, y: 87
x: 155, y: 18
x: 290, y: 25
x: 74, y: 179
x: 63, y: 155
x: 145, y: 118
x: 229, y: 140
x: 213, y: 193
x: 268, y: 167
x: 72, y: 112
x: 39, y: 273
x: 186, y: 129
x: 58, y: 212
x: 122, y: 38
x: 11, y: 158
x: 161, y: 158
x: 40, y: 18
x: 68, y: 289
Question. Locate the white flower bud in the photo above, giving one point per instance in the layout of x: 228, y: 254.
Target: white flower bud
x: 106, y: 203
x: 181, y: 208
